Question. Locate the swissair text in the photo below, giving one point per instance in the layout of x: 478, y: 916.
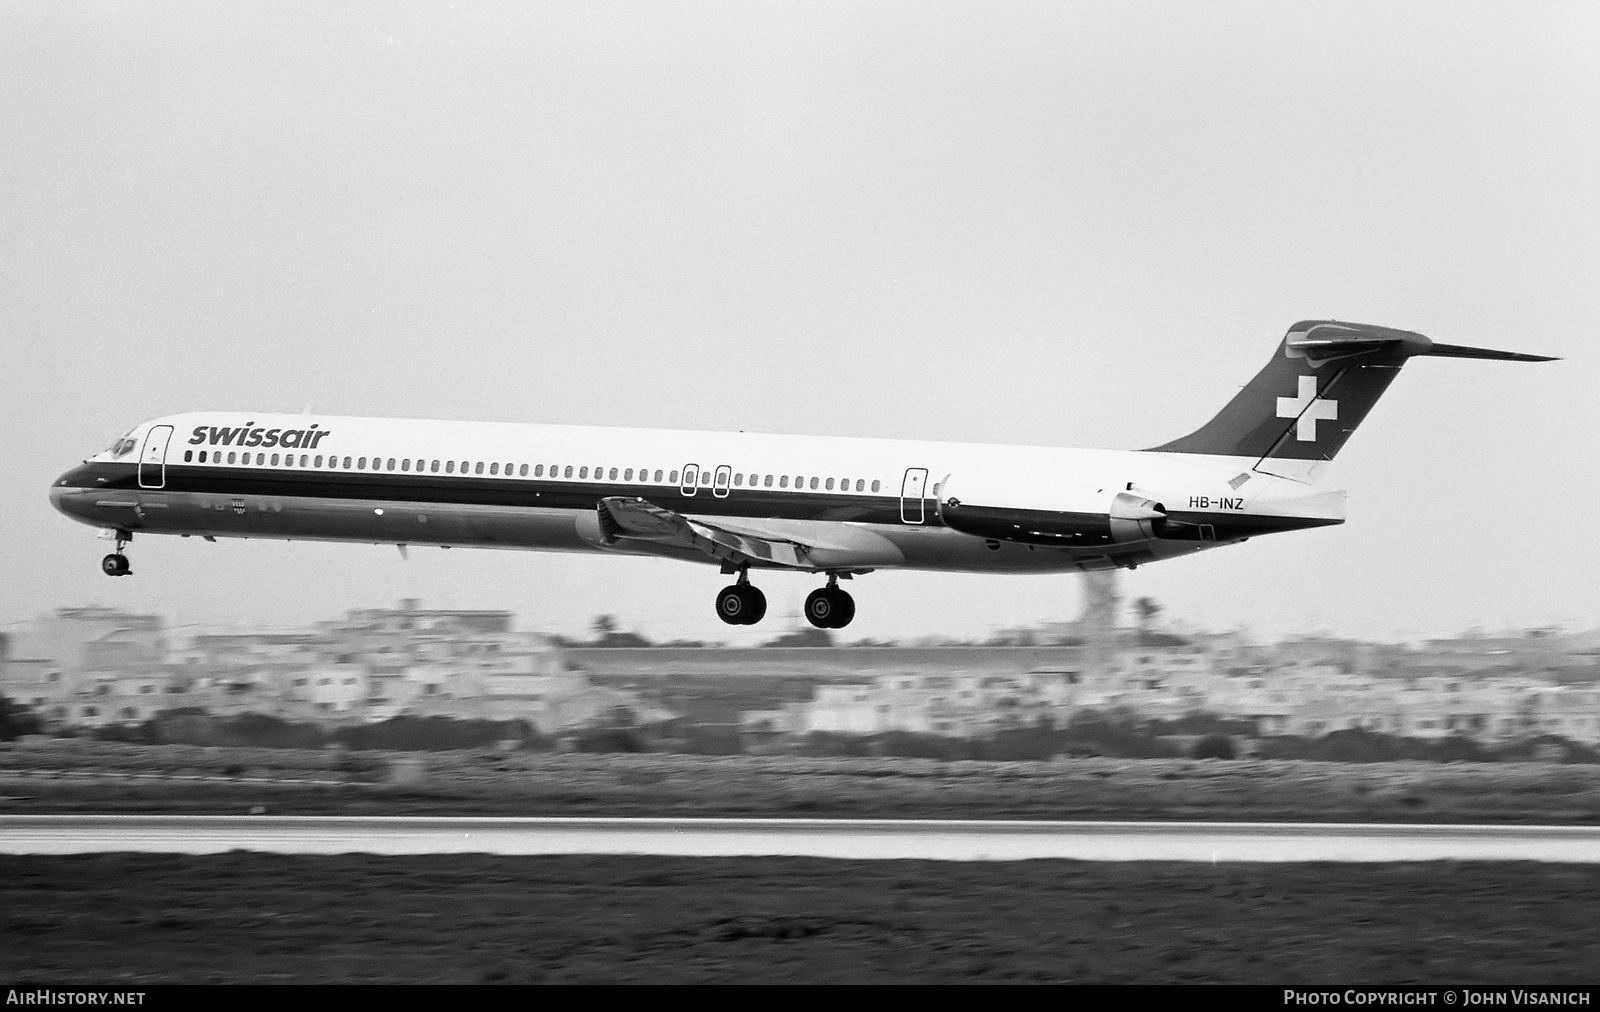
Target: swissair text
x: 244, y: 435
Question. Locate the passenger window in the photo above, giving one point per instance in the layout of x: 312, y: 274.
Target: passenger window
x: 874, y: 484
x: 568, y: 472
x: 274, y: 460
x: 705, y: 478
x: 861, y: 485
x: 449, y: 467
x: 494, y: 468
x: 524, y: 470
x: 362, y: 463
x: 583, y: 472
x: 829, y: 484
x: 674, y: 478
x: 230, y: 456
x: 318, y: 461
x: 627, y: 475
x: 188, y: 456
x: 433, y: 466
x: 767, y: 481
x: 405, y: 463
x: 613, y: 474
x: 783, y: 481
x: 658, y: 478
x: 305, y: 459
x: 391, y: 463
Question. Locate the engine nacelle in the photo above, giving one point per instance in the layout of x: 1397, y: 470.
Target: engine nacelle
x: 1096, y: 520
x: 1134, y: 518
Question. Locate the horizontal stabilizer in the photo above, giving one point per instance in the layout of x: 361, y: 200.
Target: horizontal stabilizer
x: 1460, y: 351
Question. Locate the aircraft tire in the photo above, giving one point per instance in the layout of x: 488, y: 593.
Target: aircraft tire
x: 822, y: 607
x: 115, y: 564
x: 758, y: 604
x: 733, y: 605
x: 846, y: 609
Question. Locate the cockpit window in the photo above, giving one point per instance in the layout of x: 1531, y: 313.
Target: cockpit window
x: 122, y: 447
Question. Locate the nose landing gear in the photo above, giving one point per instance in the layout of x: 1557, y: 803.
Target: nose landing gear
x: 742, y: 603
x: 116, y: 564
x: 829, y: 607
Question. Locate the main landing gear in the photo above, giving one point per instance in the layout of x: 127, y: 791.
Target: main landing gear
x: 741, y: 603
x: 829, y: 607
x: 826, y: 608
x: 116, y: 564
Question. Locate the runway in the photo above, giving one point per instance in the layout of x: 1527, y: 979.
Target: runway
x: 834, y: 838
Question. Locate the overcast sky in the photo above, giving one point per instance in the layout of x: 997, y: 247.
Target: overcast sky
x: 1060, y: 224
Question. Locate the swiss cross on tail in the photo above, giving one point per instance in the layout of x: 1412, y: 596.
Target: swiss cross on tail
x: 1336, y: 371
x: 1307, y: 408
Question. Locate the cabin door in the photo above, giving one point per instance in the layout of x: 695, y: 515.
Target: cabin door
x: 911, y: 491
x: 153, y: 458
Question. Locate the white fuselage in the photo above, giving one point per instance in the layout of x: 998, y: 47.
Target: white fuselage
x: 856, y: 504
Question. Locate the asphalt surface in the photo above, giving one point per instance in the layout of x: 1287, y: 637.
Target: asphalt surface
x: 946, y: 840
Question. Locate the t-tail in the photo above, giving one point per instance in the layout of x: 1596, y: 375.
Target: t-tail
x: 1299, y: 410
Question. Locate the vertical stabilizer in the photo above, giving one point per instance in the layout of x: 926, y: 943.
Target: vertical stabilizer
x: 1301, y: 408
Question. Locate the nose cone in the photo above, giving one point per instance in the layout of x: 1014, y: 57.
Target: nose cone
x: 74, y: 494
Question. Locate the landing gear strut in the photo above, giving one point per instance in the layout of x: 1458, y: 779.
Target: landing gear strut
x: 741, y: 603
x: 116, y: 564
x: 829, y: 607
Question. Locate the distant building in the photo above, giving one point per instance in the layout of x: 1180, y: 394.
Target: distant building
x: 95, y: 666
x: 89, y: 666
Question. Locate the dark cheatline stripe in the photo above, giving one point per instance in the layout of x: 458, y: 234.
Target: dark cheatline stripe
x: 496, y: 491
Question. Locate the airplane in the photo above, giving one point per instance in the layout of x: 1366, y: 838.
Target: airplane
x: 829, y: 506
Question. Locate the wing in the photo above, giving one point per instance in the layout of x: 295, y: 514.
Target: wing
x: 809, y: 546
